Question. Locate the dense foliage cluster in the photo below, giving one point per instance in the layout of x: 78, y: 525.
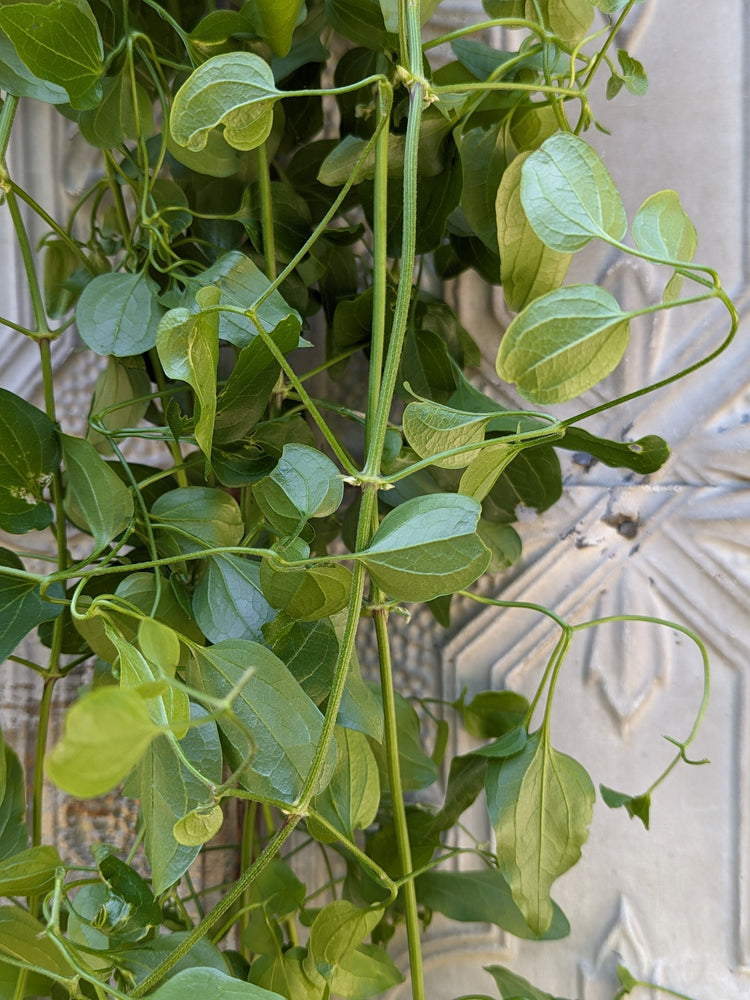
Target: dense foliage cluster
x: 275, y: 178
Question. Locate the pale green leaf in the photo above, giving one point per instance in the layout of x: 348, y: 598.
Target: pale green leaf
x: 198, y: 984
x: 188, y: 348
x: 29, y: 456
x: 337, y: 930
x: 60, y: 43
x: 304, y: 484
x: 236, y: 90
x: 568, y: 195
x: 528, y: 268
x: 564, y: 343
x: 662, y: 229
x: 633, y: 73
x: 168, y: 791
x: 21, y: 605
x: 365, y: 972
x: 168, y: 705
x: 160, y: 644
x: 201, y: 516
x: 483, y: 896
x: 431, y: 428
x: 540, y: 804
x: 107, y: 731
x: 24, y: 942
x: 198, y: 826
x: 277, y: 727
x: 275, y: 21
x: 351, y: 799
x: 485, y: 469
x: 119, y: 314
x: 14, y: 835
x: 427, y: 546
x: 228, y: 602
x: 96, y: 499
x: 121, y: 387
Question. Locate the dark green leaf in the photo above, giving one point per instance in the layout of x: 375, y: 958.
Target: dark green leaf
x: 513, y: 987
x: 228, y: 602
x: 278, y: 724
x: 116, y: 118
x: 417, y: 769
x: 643, y: 456
x: 465, y: 782
x: 22, y: 608
x: 141, y: 961
x: 307, y: 594
x: 202, y: 516
x: 275, y: 21
x: 13, y: 833
x: 564, y: 343
x: 304, y: 484
x: 484, y: 159
x: 426, y: 547
x: 29, y: 455
x: 60, y: 43
x: 129, y: 899
x: 119, y: 314
x: 88, y: 480
x: 17, y: 79
x: 361, y: 21
x: 310, y: 651
x: 197, y: 984
x: 23, y: 941
x: 482, y: 896
x: 533, y: 480
x: 503, y: 541
x: 540, y: 804
x: 492, y: 713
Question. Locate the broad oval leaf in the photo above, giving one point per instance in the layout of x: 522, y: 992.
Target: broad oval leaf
x: 198, y: 826
x: 528, y: 267
x: 351, y: 799
x: 236, y: 90
x: 96, y: 499
x: 304, y: 484
x: 107, y: 731
x: 337, y: 930
x: 564, y: 343
x: 568, y: 195
x: 275, y: 21
x: 119, y: 314
x: 427, y: 546
x: 16, y: 78
x: 202, y: 517
x: 30, y: 872
x: 663, y: 229
x: 60, y: 43
x: 431, y: 428
x: 540, y: 804
x: 23, y: 939
x: 21, y: 605
x: 29, y: 456
x: 277, y: 727
x: 228, y: 602
x: 198, y: 984
x: 485, y: 469
x: 309, y: 594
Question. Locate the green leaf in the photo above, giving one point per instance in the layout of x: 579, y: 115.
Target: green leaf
x: 361, y: 21
x: 351, y: 799
x: 492, y: 713
x: 236, y: 90
x: 168, y: 706
x: 483, y: 896
x: 633, y: 73
x: 60, y: 43
x: 13, y: 833
x: 528, y: 268
x: 431, y: 428
x: 107, y: 731
x: 279, y: 726
x: 23, y: 940
x: 197, y: 984
x: 22, y: 608
x: 426, y: 547
x: 198, y: 826
x: 534, y: 479
x: 129, y: 907
x: 29, y: 456
x: 119, y: 314
x: 662, y: 229
x: 169, y: 791
x: 635, y: 805
x: 484, y: 159
x: 246, y: 392
x: 310, y: 651
x: 188, y: 348
x: 504, y: 543
x: 568, y: 195
x: 275, y: 21
x: 116, y: 118
x: 513, y: 987
x: 17, y: 79
x: 119, y: 386
x: 304, y: 484
x: 643, y: 456
x: 417, y: 769
x: 30, y: 872
x: 540, y: 804
x: 203, y: 516
x: 365, y: 972
x: 241, y: 284
x: 337, y: 930
x: 485, y: 469
x: 307, y: 594
x: 564, y: 343
x: 89, y: 480
x: 143, y: 959
x: 228, y: 602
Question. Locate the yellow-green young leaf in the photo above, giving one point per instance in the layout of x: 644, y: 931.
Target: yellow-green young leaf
x: 351, y: 799
x: 159, y: 644
x: 199, y: 826
x: 337, y: 930
x: 275, y: 21
x: 365, y: 972
x: 236, y: 90
x: 564, y: 343
x: 96, y: 499
x: 106, y: 733
x: 23, y: 942
x: 528, y: 268
x: 540, y: 803
x: 188, y: 348
x: 60, y: 43
x: 168, y: 704
x: 427, y: 546
x: 431, y: 428
x: 122, y: 386
x: 568, y: 19
x: 30, y: 873
x: 663, y: 229
x: 201, y: 983
x: 568, y: 195
x: 486, y: 468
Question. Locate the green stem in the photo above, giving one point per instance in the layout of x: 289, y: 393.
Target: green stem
x: 266, y: 209
x: 397, y: 801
